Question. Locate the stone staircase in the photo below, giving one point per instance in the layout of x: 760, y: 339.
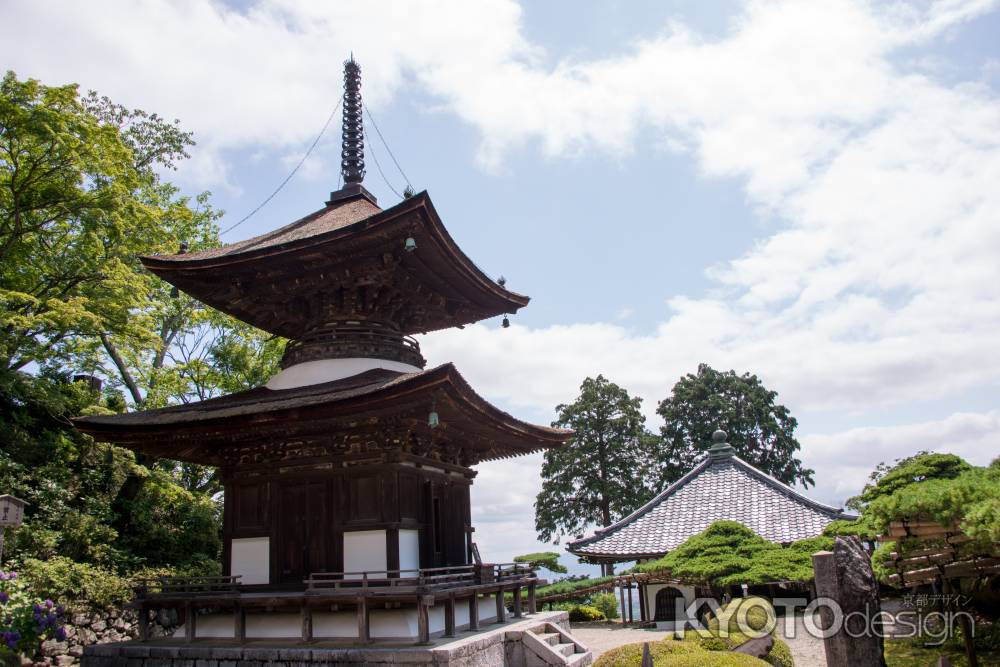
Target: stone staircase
x: 548, y: 644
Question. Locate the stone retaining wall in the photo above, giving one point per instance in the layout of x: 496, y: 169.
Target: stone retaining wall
x: 88, y: 628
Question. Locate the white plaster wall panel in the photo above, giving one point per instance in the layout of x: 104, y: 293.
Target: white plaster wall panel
x: 461, y: 613
x: 364, y: 551
x: 487, y: 609
x: 409, y: 551
x: 251, y: 558
x: 273, y: 624
x: 391, y: 623
x: 335, y: 624
x: 328, y: 370
x: 435, y: 618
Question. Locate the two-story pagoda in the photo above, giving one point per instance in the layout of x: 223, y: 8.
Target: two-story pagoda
x: 347, y: 477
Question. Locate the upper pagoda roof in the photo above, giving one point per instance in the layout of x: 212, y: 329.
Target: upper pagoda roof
x: 375, y: 406
x: 722, y: 487
x: 345, y: 261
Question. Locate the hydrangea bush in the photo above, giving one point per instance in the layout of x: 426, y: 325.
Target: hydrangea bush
x: 26, y: 621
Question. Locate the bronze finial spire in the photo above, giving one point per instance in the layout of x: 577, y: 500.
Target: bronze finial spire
x: 352, y: 154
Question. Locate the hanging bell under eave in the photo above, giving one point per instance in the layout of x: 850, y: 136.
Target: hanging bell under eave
x: 505, y: 323
x: 433, y: 420
x: 410, y: 244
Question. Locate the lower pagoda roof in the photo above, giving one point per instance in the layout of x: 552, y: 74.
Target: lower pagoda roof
x: 722, y: 487
x: 377, y: 409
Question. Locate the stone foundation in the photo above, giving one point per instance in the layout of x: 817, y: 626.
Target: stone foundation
x: 497, y: 646
x: 96, y: 627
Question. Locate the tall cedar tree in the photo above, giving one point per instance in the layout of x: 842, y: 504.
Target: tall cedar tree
x: 598, y: 477
x: 761, y: 431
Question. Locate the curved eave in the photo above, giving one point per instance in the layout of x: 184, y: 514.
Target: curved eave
x: 512, y: 435
x: 189, y: 271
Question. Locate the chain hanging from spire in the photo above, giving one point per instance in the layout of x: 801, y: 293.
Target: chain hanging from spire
x: 352, y: 153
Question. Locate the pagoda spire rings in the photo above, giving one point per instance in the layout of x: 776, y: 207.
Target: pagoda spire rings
x: 352, y: 154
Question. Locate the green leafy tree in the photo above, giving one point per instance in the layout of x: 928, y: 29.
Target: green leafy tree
x: 81, y: 199
x: 596, y: 478
x: 761, y: 430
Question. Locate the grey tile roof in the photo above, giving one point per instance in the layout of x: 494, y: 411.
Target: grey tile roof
x: 718, y: 488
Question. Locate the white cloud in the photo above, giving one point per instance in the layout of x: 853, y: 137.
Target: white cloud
x: 847, y: 458
x: 877, y: 282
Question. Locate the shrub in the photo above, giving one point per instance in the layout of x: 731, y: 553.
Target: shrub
x: 606, y: 603
x: 758, y: 616
x: 25, y: 621
x: 630, y: 655
x: 582, y: 613
x: 780, y: 655
x: 671, y: 653
x: 78, y: 584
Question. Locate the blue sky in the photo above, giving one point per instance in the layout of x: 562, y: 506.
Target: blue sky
x: 806, y: 192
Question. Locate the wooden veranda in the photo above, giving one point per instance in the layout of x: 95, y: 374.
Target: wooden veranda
x: 339, y: 591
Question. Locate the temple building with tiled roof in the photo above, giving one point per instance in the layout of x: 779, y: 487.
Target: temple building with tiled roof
x: 722, y: 487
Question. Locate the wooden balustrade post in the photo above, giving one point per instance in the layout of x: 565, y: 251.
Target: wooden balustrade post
x: 307, y: 623
x: 532, y: 602
x: 190, y: 623
x: 501, y: 607
x: 449, y: 616
x: 517, y: 602
x: 143, y: 623
x: 364, y: 635
x: 423, y: 620
x: 474, y: 612
x: 239, y: 623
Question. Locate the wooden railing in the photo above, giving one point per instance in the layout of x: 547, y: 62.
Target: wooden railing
x: 425, y: 578
x: 187, y: 586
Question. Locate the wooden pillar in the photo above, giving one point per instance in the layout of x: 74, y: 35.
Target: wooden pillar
x: 642, y: 603
x: 239, y: 623
x: 501, y: 607
x: 517, y: 602
x: 449, y: 616
x: 143, y: 623
x: 307, y: 623
x: 474, y: 612
x: 532, y: 602
x: 363, y: 632
x: 190, y: 622
x: 423, y: 621
x: 621, y: 594
x: 631, y: 616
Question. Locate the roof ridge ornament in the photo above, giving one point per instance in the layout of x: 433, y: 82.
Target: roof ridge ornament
x: 720, y: 450
x: 352, y: 144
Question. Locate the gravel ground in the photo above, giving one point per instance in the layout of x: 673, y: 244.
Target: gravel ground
x: 602, y: 637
